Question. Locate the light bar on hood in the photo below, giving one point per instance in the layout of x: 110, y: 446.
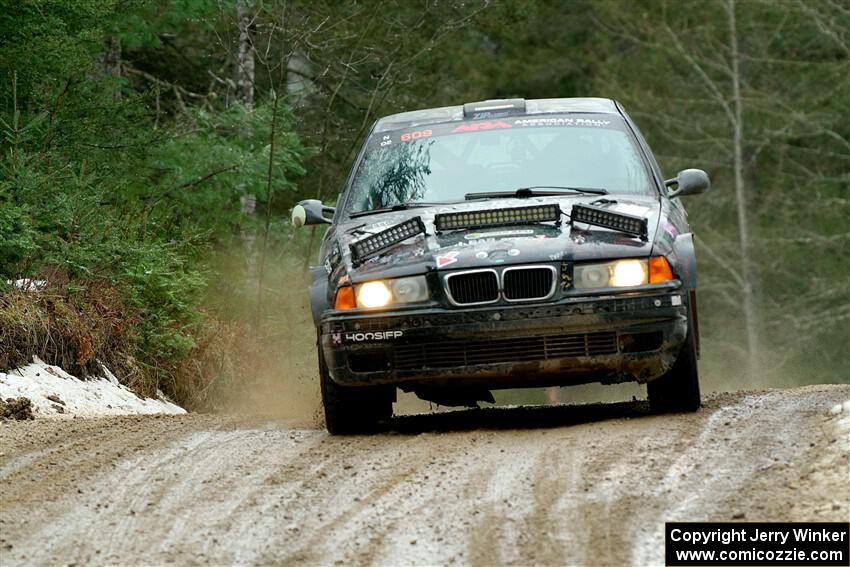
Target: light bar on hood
x: 497, y: 217
x: 380, y: 241
x: 609, y: 219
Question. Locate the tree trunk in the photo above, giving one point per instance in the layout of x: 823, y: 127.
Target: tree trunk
x: 245, y: 74
x: 245, y: 68
x: 109, y: 62
x: 268, y: 221
x: 748, y: 300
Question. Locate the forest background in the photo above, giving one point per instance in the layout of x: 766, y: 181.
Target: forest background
x: 152, y: 149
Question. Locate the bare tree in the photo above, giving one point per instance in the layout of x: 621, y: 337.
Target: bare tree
x: 737, y: 124
x: 245, y: 82
x: 718, y: 87
x: 245, y: 66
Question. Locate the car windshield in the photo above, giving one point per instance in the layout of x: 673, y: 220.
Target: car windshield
x: 441, y: 163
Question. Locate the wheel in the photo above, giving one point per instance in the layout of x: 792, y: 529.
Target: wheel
x: 678, y: 389
x: 353, y: 409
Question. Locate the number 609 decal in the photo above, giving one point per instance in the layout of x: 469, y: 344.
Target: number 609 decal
x: 406, y: 137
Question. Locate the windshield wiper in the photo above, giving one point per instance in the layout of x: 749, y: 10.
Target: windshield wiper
x: 396, y: 207
x: 535, y: 191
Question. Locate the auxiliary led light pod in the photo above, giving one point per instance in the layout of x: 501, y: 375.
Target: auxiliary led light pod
x: 608, y: 219
x: 380, y: 241
x: 497, y: 217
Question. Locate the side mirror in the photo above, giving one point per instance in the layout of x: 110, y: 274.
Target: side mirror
x: 689, y: 182
x: 310, y: 211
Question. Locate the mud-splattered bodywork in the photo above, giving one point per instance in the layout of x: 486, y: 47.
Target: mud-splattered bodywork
x: 573, y: 336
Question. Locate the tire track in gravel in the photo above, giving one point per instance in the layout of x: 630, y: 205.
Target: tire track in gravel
x: 730, y: 454
x: 376, y: 486
x: 547, y: 486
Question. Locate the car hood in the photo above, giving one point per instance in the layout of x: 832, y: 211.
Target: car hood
x: 506, y: 245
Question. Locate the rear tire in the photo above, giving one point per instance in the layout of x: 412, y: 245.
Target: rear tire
x: 350, y: 410
x: 678, y: 389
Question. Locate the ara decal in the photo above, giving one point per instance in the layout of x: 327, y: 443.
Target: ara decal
x: 476, y: 126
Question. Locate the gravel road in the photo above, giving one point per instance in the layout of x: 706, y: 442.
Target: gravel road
x: 566, y: 485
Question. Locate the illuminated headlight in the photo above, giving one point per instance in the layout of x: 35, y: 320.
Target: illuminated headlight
x: 380, y: 293
x: 628, y: 273
x: 620, y: 273
x: 374, y: 294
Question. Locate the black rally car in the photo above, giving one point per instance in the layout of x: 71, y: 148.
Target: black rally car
x: 504, y: 244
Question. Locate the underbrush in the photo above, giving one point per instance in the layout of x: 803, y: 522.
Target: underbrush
x: 76, y: 330
x: 83, y: 329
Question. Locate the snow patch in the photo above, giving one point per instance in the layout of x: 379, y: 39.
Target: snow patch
x: 54, y: 392
x: 28, y: 284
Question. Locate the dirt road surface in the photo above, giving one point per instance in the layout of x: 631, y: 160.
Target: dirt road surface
x: 546, y: 486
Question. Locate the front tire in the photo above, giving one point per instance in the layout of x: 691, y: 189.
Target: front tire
x: 351, y: 410
x: 678, y: 389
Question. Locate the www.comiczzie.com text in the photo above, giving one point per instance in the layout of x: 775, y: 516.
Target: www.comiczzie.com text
x: 757, y: 544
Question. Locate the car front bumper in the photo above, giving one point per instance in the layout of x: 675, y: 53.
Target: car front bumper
x: 608, y: 338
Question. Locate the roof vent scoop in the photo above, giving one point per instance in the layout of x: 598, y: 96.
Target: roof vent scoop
x: 494, y: 108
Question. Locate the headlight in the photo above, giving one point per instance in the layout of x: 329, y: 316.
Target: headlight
x: 410, y: 290
x: 374, y: 294
x: 380, y: 293
x: 620, y: 273
x: 627, y: 273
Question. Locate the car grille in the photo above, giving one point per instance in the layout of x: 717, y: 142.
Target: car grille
x: 448, y: 354
x: 518, y: 284
x: 468, y: 288
x: 527, y: 283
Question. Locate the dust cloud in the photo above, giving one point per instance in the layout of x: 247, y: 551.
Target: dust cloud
x: 278, y: 376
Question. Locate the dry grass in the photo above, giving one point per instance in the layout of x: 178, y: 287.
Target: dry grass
x: 79, y: 331
x: 75, y: 331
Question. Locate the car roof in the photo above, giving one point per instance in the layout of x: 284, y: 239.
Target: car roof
x: 532, y: 106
